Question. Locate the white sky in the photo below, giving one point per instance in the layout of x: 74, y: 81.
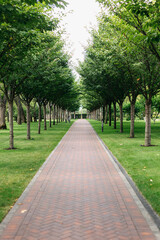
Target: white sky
x: 81, y: 17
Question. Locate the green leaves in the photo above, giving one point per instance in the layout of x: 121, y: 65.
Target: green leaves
x: 143, y: 16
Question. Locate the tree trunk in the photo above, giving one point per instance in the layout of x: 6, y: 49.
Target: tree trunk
x: 103, y: 113
x: 39, y: 119
x: 44, y: 113
x: 65, y: 116
x: 132, y: 120
x: 61, y: 115
x: 148, y: 124
x: 11, y: 136
x: 121, y: 117
x: 20, y: 112
x: 2, y: 112
x: 28, y: 122
x: 57, y: 114
x: 115, y: 123
x: 50, y: 116
x: 34, y: 114
x: 110, y: 115
x: 106, y: 121
x: 54, y: 115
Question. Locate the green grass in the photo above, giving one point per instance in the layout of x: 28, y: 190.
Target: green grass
x: 17, y: 167
x: 141, y: 163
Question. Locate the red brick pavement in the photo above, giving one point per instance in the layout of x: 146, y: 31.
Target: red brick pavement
x: 78, y: 195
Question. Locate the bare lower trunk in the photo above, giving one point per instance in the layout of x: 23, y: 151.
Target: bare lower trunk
x: 110, y: 117
x: 115, y: 123
x: 34, y: 113
x: 20, y: 112
x: 11, y: 136
x: 28, y: 122
x: 106, y: 121
x: 57, y: 114
x: 44, y: 113
x: 121, y: 117
x: 2, y: 112
x: 61, y: 115
x: 39, y: 119
x: 103, y: 113
x: 54, y: 115
x: 65, y: 116
x: 50, y: 116
x: 132, y: 120
x: 148, y: 124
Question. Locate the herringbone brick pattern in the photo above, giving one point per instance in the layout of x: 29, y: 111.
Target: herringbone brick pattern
x: 79, y: 195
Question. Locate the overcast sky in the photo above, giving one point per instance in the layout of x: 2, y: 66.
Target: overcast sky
x: 81, y: 17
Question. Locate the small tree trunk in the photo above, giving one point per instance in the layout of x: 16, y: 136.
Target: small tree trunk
x: 19, y: 120
x: 54, y: 114
x: 28, y: 122
x: 50, y: 116
x: 23, y: 117
x: 57, y: 114
x: 103, y: 113
x: 39, y: 119
x: 61, y: 115
x: 20, y: 112
x: 121, y: 117
x: 44, y: 113
x: 11, y: 136
x: 132, y: 120
x: 34, y: 113
x: 8, y: 116
x: 2, y: 112
x: 110, y: 117
x: 148, y: 124
x: 115, y: 123
x: 106, y: 121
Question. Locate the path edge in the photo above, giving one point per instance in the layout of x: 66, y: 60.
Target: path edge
x: 12, y: 211
x: 136, y: 194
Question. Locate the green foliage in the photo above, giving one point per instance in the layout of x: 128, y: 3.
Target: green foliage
x: 32, y: 59
x: 141, y: 15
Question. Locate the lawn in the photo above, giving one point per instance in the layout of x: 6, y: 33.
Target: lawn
x: 17, y: 167
x: 141, y: 163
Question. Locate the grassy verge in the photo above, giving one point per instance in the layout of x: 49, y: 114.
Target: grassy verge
x: 141, y: 163
x: 17, y: 167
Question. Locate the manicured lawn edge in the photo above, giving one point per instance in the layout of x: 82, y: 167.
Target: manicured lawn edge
x: 141, y: 164
x: 18, y: 167
x: 144, y: 202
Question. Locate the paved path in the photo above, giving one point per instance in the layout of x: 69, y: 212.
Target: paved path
x: 79, y: 195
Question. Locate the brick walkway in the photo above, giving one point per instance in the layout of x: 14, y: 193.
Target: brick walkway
x: 78, y: 195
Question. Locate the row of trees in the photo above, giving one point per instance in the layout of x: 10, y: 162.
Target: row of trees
x: 123, y: 59
x: 33, y: 64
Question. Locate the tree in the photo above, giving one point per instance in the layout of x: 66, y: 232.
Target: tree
x: 135, y: 25
x: 20, y: 25
x: 103, y: 70
x: 2, y: 111
x: 143, y: 16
